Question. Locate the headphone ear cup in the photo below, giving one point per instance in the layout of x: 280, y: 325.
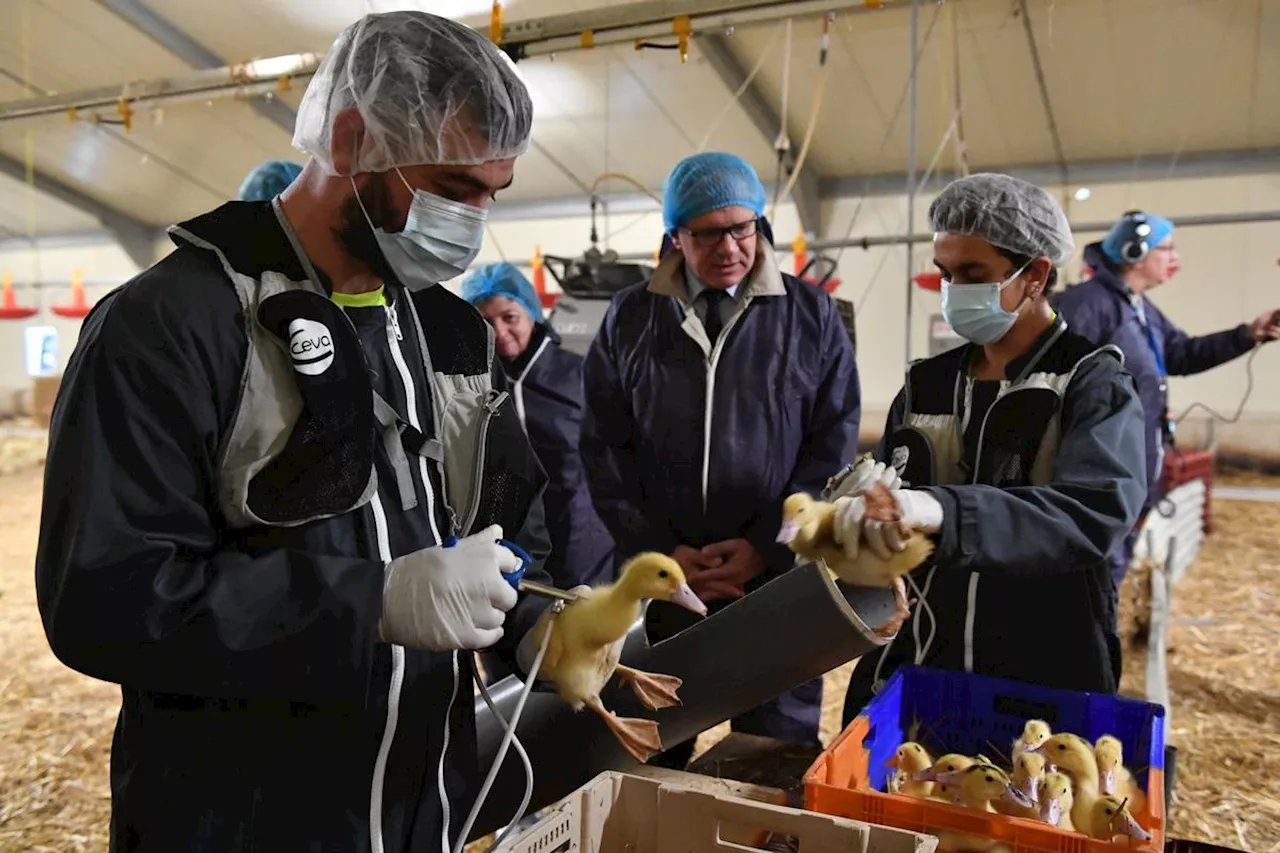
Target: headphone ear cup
x: 1134, y: 251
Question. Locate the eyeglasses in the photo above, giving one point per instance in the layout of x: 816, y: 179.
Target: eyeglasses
x: 708, y: 237
x: 1169, y: 248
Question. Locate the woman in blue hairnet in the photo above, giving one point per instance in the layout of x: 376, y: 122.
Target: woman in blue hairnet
x: 1020, y: 453
x: 268, y: 180
x: 1112, y: 307
x: 546, y: 382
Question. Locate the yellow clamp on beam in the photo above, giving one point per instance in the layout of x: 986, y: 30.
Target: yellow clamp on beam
x: 284, y: 84
x: 799, y: 246
x: 495, y: 22
x: 873, y: 4
x: 73, y: 114
x: 683, y: 28
x: 126, y: 113
x: 588, y: 39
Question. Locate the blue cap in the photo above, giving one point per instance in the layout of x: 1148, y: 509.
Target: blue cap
x: 1126, y: 231
x: 269, y: 180
x: 709, y: 181
x: 502, y: 279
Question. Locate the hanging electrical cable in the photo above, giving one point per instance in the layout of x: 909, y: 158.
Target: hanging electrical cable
x: 742, y: 87
x: 782, y: 142
x: 814, y: 110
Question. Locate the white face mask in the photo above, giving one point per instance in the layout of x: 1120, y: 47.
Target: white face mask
x: 973, y: 310
x: 439, y: 241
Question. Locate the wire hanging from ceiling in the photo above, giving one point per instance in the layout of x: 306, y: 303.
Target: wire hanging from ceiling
x: 742, y: 88
x: 814, y: 110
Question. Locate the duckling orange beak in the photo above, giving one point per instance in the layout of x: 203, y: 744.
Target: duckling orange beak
x: 926, y: 775
x: 1051, y: 811
x: 892, y: 762
x: 790, y: 529
x: 688, y: 599
x: 1107, y: 782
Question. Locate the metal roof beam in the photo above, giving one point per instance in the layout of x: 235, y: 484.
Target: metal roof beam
x: 1156, y: 167
x: 136, y: 237
x: 722, y: 60
x: 180, y: 43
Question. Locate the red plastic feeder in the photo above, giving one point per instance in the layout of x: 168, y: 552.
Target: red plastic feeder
x: 9, y: 307
x: 78, y: 309
x: 928, y: 280
x: 549, y: 300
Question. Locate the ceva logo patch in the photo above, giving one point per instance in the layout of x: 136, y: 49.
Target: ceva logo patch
x: 311, y: 346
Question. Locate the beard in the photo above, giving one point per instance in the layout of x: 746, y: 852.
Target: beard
x: 354, y: 232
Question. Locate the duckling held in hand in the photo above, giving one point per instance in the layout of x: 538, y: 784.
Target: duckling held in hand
x: 586, y: 642
x: 1110, y: 817
x: 910, y: 759
x: 808, y: 529
x: 1073, y: 756
x: 1113, y: 777
x: 1028, y: 771
x: 1056, y: 800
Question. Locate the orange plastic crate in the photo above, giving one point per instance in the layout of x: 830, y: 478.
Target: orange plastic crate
x: 839, y: 784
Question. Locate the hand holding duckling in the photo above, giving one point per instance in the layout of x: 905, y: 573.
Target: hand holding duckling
x: 586, y: 642
x: 812, y: 529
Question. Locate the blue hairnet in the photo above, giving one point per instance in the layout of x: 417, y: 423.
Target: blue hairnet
x: 268, y: 180
x: 502, y: 279
x: 1126, y: 231
x: 709, y: 181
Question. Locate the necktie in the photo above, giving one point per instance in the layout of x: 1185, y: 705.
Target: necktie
x: 713, y: 323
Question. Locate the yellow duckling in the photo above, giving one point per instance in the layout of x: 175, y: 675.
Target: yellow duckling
x: 1110, y: 817
x: 808, y: 529
x: 583, y: 652
x: 1114, y: 778
x: 910, y: 759
x: 1028, y: 772
x: 978, y: 786
x: 1073, y: 756
x: 1034, y: 733
x: 948, y: 764
x: 1056, y: 800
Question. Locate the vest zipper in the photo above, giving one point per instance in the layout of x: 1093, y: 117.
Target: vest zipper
x: 394, y: 320
x: 713, y: 361
x: 491, y: 407
x: 393, y: 697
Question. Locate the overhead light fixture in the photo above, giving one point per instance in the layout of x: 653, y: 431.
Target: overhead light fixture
x: 1083, y: 194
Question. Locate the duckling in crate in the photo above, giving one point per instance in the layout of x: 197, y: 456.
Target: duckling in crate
x: 1110, y: 817
x: 1028, y: 773
x: 979, y: 786
x: 1055, y: 801
x: 586, y: 642
x: 808, y: 529
x: 1113, y: 777
x: 1073, y: 756
x: 950, y: 763
x: 909, y: 759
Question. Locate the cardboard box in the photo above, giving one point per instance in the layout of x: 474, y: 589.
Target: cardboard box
x: 44, y: 390
x: 617, y: 813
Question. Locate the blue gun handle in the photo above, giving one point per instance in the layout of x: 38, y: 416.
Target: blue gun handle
x: 512, y: 578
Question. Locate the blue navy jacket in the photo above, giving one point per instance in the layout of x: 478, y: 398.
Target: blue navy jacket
x: 546, y: 382
x: 685, y: 444
x: 1101, y: 310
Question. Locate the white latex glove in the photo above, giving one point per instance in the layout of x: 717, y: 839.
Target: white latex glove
x: 855, y: 479
x: 444, y: 599
x: 919, y: 511
x: 527, y: 650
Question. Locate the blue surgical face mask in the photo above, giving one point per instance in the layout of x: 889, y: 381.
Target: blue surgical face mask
x: 974, y: 312
x: 439, y: 240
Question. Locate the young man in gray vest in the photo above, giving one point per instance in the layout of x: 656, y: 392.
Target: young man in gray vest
x: 1021, y: 453
x: 264, y: 450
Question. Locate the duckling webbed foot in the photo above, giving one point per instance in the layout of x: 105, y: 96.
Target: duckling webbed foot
x: 639, y: 737
x: 653, y: 689
x: 900, y: 614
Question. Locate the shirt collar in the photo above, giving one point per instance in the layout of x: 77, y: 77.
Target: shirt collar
x: 695, y: 286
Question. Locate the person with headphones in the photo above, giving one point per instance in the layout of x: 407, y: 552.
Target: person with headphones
x: 1112, y: 307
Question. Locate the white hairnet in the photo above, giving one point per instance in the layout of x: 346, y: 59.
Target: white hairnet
x: 430, y: 91
x: 1006, y: 212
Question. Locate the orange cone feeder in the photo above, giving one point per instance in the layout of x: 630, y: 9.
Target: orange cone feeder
x: 928, y: 280
x: 540, y: 279
x: 9, y: 307
x: 77, y: 309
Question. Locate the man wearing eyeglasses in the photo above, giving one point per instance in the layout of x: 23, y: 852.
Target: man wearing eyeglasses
x: 713, y: 391
x: 1112, y: 307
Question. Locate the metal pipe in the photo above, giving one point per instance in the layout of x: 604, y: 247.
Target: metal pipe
x: 535, y: 37
x: 912, y: 119
x: 1189, y: 221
